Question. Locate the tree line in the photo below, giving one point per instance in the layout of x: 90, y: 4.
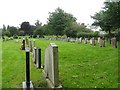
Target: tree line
x: 59, y: 23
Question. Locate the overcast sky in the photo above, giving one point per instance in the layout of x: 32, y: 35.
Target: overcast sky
x: 14, y: 12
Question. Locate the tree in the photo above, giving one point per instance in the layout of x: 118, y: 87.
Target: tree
x: 59, y: 20
x: 4, y: 27
x: 37, y: 23
x: 7, y: 33
x: 12, y: 30
x: 26, y: 27
x: 109, y: 18
x: 38, y: 31
x: 76, y: 29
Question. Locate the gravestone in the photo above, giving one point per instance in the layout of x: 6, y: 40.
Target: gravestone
x: 77, y: 40
x: 27, y: 84
x: 101, y: 42
x: 30, y: 46
x: 23, y: 44
x: 80, y: 39
x: 99, y: 39
x: 68, y: 39
x: 114, y: 42
x: 34, y: 55
x: 38, y: 58
x: 33, y: 44
x: 27, y: 41
x: 51, y: 70
x: 85, y: 41
x: 92, y: 41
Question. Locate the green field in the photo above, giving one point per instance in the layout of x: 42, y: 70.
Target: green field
x: 80, y: 65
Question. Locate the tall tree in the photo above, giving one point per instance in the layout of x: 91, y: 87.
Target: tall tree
x: 12, y: 30
x: 59, y: 20
x: 108, y: 18
x: 26, y: 27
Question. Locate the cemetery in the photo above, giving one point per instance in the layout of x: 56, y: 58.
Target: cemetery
x: 45, y: 49
x: 74, y: 65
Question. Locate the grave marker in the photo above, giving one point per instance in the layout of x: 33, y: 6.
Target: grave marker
x: 51, y: 66
x: 27, y: 84
x: 23, y: 44
x: 114, y: 42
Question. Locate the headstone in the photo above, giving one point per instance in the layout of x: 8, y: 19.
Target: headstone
x: 27, y: 83
x: 27, y: 41
x: 30, y: 46
x: 23, y: 44
x: 114, y: 42
x: 77, y: 40
x: 33, y: 45
x: 92, y: 41
x: 68, y: 39
x: 101, y: 42
x: 85, y: 41
x: 99, y: 39
x: 38, y: 58
x: 51, y: 70
x: 80, y: 39
x: 34, y: 55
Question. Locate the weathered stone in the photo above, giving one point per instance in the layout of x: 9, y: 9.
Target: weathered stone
x: 27, y: 41
x: 80, y: 39
x: 30, y: 46
x: 102, y: 42
x: 85, y: 41
x: 92, y: 41
x: 51, y: 64
x: 34, y: 55
x: 23, y: 44
x: 114, y: 42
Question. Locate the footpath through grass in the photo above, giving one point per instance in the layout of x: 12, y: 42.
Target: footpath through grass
x: 80, y: 65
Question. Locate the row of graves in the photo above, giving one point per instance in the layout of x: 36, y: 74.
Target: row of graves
x: 50, y: 67
x: 92, y: 41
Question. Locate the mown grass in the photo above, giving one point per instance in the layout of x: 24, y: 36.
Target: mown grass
x: 80, y: 65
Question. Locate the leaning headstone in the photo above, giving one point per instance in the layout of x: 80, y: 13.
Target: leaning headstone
x: 114, y: 42
x: 51, y: 71
x: 27, y: 84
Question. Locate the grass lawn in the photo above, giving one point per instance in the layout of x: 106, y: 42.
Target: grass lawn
x: 80, y: 65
